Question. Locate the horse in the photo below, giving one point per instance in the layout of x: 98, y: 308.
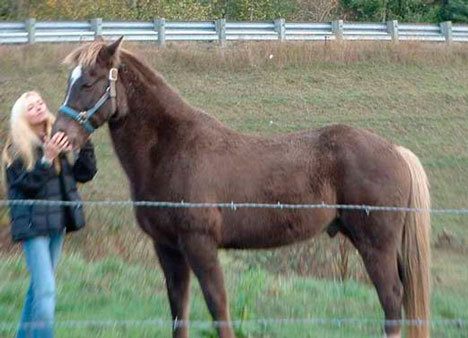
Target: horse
x: 172, y: 151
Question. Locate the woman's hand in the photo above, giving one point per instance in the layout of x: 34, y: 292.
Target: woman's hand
x: 54, y: 146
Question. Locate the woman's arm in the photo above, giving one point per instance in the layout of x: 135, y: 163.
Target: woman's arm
x: 84, y: 168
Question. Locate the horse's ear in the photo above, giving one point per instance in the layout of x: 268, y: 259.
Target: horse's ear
x: 112, y: 48
x: 108, y: 54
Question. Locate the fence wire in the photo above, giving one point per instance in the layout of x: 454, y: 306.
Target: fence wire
x: 235, y: 205
x: 203, y: 324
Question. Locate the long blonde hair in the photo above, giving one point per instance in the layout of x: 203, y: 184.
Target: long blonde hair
x: 22, y: 140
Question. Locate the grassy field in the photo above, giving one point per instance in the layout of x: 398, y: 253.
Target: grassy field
x: 414, y: 94
x: 111, y: 289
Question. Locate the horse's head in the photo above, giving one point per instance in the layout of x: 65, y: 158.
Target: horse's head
x: 94, y: 94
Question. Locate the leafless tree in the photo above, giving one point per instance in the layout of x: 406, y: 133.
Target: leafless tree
x: 316, y: 10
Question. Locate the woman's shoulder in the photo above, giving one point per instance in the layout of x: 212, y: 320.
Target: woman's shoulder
x: 13, y: 157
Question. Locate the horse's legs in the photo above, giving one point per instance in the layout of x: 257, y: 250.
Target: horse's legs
x: 382, y: 268
x: 177, y: 273
x: 378, y: 247
x: 202, y: 254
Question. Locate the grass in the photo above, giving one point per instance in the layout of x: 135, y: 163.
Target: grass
x: 413, y: 94
x: 107, y: 291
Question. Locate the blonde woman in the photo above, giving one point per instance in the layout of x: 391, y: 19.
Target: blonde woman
x: 37, y: 166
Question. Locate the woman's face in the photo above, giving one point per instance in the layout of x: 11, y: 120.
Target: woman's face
x: 36, y: 110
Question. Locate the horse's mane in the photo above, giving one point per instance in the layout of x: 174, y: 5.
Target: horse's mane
x: 87, y: 56
x: 145, y: 71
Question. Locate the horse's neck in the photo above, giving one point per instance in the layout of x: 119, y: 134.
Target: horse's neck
x: 155, y: 114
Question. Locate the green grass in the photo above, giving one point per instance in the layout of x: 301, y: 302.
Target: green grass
x: 414, y: 94
x: 111, y: 289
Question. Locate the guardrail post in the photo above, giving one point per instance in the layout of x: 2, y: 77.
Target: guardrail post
x: 446, y: 29
x: 160, y: 27
x: 221, y: 30
x: 392, y: 29
x: 337, y: 29
x: 96, y: 26
x: 30, y: 25
x: 280, y: 29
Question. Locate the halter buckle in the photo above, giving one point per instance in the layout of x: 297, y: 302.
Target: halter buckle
x: 113, y: 72
x: 82, y: 117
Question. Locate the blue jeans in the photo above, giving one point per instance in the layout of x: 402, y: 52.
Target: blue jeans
x: 42, y: 254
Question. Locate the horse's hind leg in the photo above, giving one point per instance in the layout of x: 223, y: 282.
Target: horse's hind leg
x: 177, y: 273
x: 383, y: 270
x: 202, y: 254
x: 378, y: 240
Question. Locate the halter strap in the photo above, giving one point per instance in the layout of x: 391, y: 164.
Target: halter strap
x: 84, y: 117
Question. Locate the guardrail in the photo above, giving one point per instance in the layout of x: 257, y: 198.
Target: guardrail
x: 159, y: 31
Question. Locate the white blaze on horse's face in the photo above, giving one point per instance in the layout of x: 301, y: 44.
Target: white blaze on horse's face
x: 75, y: 75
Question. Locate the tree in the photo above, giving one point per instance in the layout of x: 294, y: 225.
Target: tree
x: 382, y: 10
x: 251, y: 10
x: 454, y: 10
x: 315, y: 10
x: 10, y: 9
x: 364, y: 10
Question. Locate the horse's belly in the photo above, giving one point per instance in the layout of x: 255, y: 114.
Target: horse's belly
x: 276, y: 232
x: 259, y: 241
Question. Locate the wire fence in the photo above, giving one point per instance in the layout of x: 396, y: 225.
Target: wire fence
x: 338, y: 325
x: 234, y: 205
x: 203, y: 324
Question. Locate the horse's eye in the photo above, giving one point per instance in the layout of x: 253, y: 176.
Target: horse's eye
x: 91, y: 82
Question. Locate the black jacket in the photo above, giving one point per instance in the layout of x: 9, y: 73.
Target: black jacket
x: 44, y: 183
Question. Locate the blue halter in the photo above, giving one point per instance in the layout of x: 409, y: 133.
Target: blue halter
x: 83, y: 118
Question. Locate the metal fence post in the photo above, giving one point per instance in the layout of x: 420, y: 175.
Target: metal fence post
x: 446, y: 29
x: 392, y: 29
x: 280, y: 29
x: 96, y: 26
x: 160, y: 27
x: 337, y: 29
x: 221, y: 30
x: 30, y: 25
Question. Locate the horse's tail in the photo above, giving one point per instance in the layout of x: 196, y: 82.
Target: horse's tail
x: 415, y: 255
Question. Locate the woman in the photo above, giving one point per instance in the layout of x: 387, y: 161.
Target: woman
x: 38, y: 166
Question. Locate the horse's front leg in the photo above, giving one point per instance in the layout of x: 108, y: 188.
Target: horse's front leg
x: 202, y: 254
x: 177, y: 273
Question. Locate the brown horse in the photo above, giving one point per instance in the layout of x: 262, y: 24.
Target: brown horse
x: 172, y: 151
